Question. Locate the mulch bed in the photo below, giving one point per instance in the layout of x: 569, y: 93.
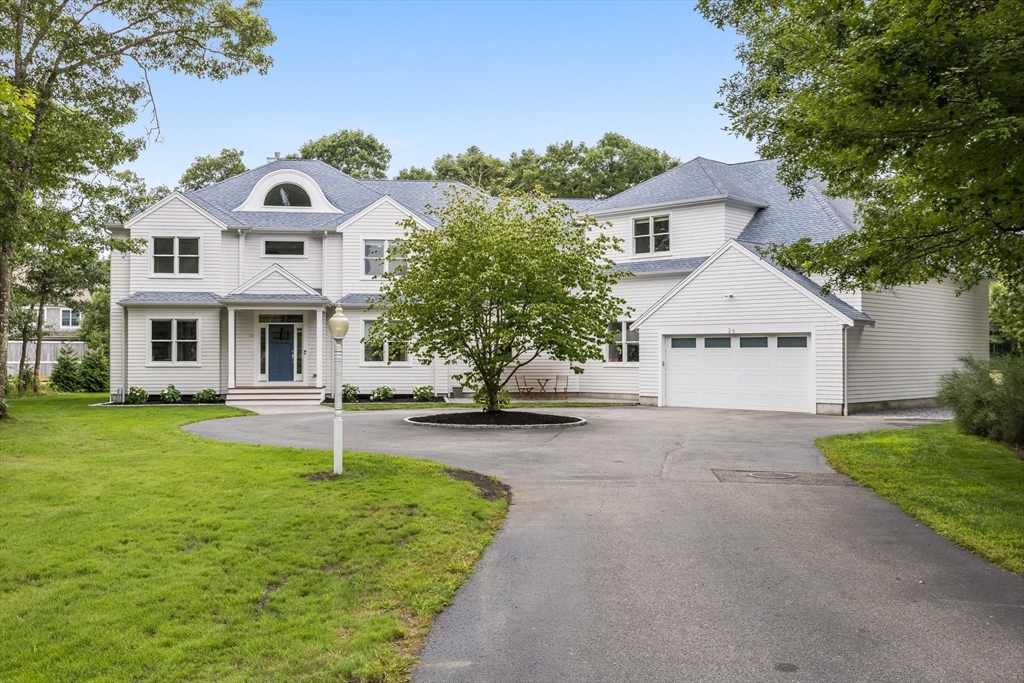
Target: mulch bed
x: 490, y: 488
x: 501, y: 418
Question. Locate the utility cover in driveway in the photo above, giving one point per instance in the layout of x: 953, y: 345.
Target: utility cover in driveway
x: 751, y: 372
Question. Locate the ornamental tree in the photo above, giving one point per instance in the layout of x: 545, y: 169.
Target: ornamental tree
x: 497, y: 283
x: 912, y: 108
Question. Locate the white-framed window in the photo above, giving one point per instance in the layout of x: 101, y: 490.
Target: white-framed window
x: 174, y: 340
x: 287, y: 194
x: 70, y: 318
x: 375, y: 261
x: 284, y: 248
x: 624, y: 348
x: 388, y: 352
x: 651, y: 235
x: 175, y: 256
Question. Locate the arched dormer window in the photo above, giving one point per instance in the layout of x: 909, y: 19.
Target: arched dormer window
x: 287, y: 194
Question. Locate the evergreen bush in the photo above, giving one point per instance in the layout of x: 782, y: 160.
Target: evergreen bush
x: 987, y: 397
x: 95, y: 372
x: 67, y: 373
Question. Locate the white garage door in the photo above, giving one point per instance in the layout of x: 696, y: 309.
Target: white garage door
x: 751, y: 372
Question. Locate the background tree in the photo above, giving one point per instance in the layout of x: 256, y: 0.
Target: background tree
x: 1006, y: 315
x: 359, y: 154
x: 208, y: 170
x: 472, y: 167
x: 522, y: 277
x: 416, y: 173
x: 23, y: 323
x: 66, y: 101
x: 913, y: 108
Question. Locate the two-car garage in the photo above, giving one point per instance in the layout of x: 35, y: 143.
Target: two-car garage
x: 750, y: 371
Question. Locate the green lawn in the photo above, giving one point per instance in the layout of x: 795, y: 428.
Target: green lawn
x: 131, y: 550
x: 968, y: 489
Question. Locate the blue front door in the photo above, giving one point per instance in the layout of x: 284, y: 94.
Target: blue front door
x: 280, y: 365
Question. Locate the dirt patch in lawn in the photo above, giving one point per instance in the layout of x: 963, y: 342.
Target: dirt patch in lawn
x: 500, y: 418
x: 490, y: 488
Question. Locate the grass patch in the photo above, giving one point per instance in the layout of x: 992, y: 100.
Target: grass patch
x: 966, y: 488
x: 131, y: 550
x: 515, y: 404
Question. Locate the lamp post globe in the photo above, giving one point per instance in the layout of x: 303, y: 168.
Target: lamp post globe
x: 338, y: 326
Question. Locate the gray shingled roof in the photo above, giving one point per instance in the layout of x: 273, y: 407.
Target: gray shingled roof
x: 201, y: 298
x: 660, y: 265
x: 300, y: 298
x: 342, y: 191
x: 356, y: 298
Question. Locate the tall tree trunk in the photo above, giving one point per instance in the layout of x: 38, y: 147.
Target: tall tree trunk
x: 22, y: 386
x: 40, y: 320
x: 6, y: 281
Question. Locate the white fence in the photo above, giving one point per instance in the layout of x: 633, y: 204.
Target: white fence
x: 48, y: 355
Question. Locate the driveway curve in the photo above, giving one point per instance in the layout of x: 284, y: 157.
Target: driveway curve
x: 638, y: 549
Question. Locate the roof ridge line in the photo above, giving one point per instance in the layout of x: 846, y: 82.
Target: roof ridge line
x: 714, y: 181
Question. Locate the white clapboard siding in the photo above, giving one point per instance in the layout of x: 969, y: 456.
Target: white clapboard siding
x: 918, y: 335
x: 307, y: 268
x: 177, y: 218
x: 402, y: 378
x: 188, y: 379
x: 378, y: 224
x: 703, y: 305
x: 231, y: 275
x: 333, y: 283
x: 246, y: 370
x: 736, y: 219
x: 697, y: 230
x: 120, y: 288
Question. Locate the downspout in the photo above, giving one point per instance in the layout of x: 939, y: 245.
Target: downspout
x: 241, y: 257
x: 323, y: 264
x: 124, y: 354
x: 846, y: 406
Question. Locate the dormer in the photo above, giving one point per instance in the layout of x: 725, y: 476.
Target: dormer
x: 287, y: 190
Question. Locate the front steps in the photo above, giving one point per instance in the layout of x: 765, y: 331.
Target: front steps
x: 242, y: 397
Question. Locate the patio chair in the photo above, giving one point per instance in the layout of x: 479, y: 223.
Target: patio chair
x: 521, y: 387
x: 562, y: 384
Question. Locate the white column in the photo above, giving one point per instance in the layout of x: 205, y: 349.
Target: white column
x: 319, y: 347
x: 231, y: 348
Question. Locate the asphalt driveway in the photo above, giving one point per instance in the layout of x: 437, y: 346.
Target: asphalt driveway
x: 638, y: 549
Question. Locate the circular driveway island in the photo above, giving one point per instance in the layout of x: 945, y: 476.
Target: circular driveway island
x: 640, y: 549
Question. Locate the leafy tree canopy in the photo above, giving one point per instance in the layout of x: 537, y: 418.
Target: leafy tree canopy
x: 1006, y: 313
x: 75, y: 75
x: 522, y: 277
x: 566, y: 169
x: 359, y: 154
x: 912, y: 108
x: 207, y: 170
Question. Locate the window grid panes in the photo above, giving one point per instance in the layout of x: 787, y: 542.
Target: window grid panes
x: 624, y: 350
x: 394, y: 352
x: 373, y: 257
x: 69, y: 318
x: 287, y: 194
x: 651, y: 232
x: 176, y: 255
x: 174, y: 341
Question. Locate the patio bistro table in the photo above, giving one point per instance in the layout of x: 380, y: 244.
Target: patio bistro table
x: 543, y: 383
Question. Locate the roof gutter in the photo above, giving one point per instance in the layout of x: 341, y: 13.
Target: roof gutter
x: 711, y: 199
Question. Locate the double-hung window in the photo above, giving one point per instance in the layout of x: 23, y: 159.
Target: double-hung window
x: 70, y: 318
x: 174, y: 340
x: 176, y: 255
x: 625, y: 348
x: 651, y: 235
x: 393, y: 352
x: 375, y: 261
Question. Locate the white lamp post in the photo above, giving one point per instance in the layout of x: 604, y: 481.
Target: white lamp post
x: 338, y: 325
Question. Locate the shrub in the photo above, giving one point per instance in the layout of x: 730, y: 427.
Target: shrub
x: 10, y: 385
x: 504, y: 398
x: 137, y: 395
x: 987, y: 397
x: 67, y: 373
x: 423, y: 392
x: 29, y: 381
x: 170, y: 395
x: 349, y: 393
x: 382, y: 393
x: 95, y: 372
x: 205, y: 396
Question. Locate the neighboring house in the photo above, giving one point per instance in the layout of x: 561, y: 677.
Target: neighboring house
x: 238, y: 280
x: 60, y: 326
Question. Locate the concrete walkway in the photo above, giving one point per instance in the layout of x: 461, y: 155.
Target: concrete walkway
x: 638, y: 549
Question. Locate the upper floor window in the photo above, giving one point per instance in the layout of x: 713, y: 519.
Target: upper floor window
x: 176, y: 255
x: 70, y: 318
x: 651, y: 232
x: 625, y: 348
x: 287, y: 194
x: 284, y: 248
x: 375, y: 261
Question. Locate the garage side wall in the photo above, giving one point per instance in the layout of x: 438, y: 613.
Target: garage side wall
x: 918, y: 335
x: 760, y: 303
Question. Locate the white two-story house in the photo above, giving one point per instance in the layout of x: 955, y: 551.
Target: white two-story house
x: 237, y: 280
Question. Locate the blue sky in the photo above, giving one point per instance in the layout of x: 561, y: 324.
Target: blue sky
x: 433, y: 78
